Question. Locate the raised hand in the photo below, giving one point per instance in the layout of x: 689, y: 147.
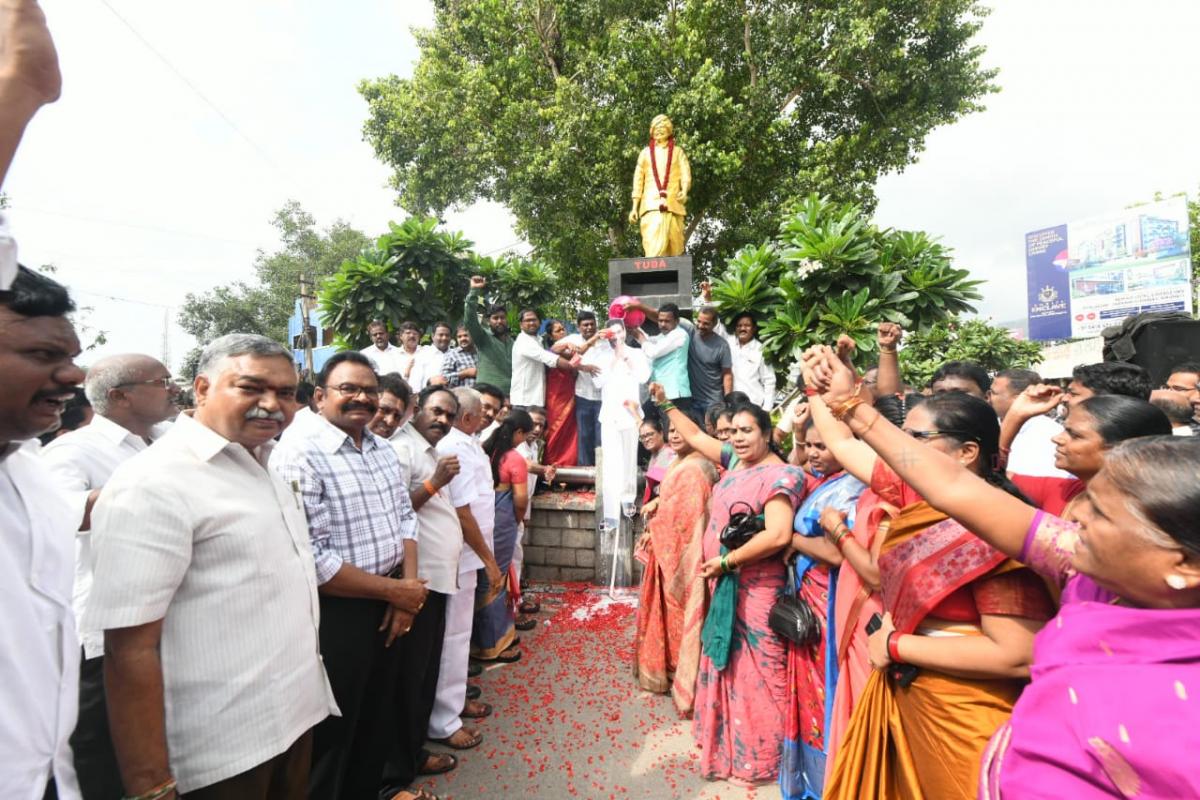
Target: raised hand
x: 478, y: 282
x: 1038, y: 399
x: 706, y: 291
x: 888, y: 336
x: 800, y: 414
x: 27, y: 54
x: 657, y: 393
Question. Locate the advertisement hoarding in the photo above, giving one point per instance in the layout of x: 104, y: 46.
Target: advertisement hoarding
x: 1085, y: 276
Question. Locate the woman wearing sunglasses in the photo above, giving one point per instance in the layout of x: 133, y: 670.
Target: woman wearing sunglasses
x: 974, y: 611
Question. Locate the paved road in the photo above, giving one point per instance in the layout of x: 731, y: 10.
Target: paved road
x: 570, y: 722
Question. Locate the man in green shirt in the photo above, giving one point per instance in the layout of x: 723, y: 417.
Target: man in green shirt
x: 493, y: 345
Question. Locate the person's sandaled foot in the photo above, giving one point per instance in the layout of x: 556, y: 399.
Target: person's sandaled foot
x: 476, y: 709
x: 506, y: 657
x: 530, y: 607
x: 437, y: 763
x: 473, y: 691
x: 419, y: 794
x: 525, y: 623
x: 462, y: 739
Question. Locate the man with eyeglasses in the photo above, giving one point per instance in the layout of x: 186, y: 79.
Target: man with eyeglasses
x: 440, y: 544
x: 131, y: 395
x: 1184, y: 380
x: 363, y: 531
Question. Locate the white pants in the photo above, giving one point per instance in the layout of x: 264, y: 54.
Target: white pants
x: 620, y: 466
x: 452, y: 677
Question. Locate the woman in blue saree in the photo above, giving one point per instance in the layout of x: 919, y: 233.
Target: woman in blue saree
x: 812, y: 669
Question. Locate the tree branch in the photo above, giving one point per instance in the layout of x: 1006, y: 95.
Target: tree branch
x: 691, y: 227
x: 546, y: 24
x: 746, y: 44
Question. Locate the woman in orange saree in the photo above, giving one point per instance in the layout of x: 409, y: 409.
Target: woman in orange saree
x: 919, y: 731
x: 670, y: 549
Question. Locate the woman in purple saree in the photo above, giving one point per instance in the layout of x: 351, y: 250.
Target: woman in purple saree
x: 1111, y: 710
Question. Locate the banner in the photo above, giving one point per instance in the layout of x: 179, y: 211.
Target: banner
x: 1085, y: 276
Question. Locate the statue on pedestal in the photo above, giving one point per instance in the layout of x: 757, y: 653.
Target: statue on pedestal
x: 661, y: 184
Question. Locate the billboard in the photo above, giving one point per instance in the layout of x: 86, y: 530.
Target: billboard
x: 1085, y: 276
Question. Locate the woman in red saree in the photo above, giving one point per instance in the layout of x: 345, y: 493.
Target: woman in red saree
x: 671, y: 549
x: 971, y: 612
x: 561, y: 432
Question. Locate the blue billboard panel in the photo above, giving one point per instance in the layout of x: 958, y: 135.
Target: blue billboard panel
x: 1086, y: 276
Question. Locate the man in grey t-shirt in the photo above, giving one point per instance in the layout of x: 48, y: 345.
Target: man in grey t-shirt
x: 710, y: 364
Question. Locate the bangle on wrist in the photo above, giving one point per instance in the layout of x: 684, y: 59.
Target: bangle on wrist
x: 839, y: 533
x: 891, y: 349
x: 430, y: 489
x: 893, y: 647
x: 809, y: 391
x: 157, y: 793
x: 665, y: 405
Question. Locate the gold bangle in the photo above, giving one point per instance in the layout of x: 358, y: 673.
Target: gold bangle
x: 871, y: 424
x: 887, y: 349
x: 843, y: 409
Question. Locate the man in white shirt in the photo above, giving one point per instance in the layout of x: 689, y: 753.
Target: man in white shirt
x: 1032, y: 451
x: 529, y: 362
x: 440, y: 544
x: 39, y: 662
x: 492, y: 399
x: 386, y: 356
x: 131, y: 394
x: 587, y: 393
x: 471, y: 492
x: 206, y: 591
x: 431, y: 356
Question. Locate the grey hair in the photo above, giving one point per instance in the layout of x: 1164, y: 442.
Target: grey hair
x: 469, y: 400
x: 238, y: 344
x: 110, y: 373
x: 1157, y: 475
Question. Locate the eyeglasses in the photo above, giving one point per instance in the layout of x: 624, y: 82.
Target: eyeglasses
x: 925, y: 436
x: 354, y: 390
x: 1178, y: 388
x: 162, y: 383
x: 645, y: 437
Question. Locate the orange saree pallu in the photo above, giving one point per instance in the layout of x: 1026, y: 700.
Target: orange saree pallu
x: 671, y: 576
x: 926, y: 740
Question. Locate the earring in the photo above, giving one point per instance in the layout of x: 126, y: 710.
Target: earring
x: 1176, y: 582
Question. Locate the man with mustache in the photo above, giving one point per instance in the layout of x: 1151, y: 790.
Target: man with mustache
x: 440, y: 544
x: 207, y: 596
x: 131, y: 395
x: 39, y: 663
x: 363, y: 533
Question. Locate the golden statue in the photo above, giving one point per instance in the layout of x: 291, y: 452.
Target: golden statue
x: 660, y: 190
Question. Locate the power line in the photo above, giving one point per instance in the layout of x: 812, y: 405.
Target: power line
x: 98, y: 220
x: 121, y: 299
x: 179, y: 74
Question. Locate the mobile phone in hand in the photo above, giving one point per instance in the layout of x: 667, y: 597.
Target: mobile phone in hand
x: 874, y: 623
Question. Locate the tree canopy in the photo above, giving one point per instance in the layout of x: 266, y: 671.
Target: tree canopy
x: 543, y: 105
x: 964, y: 340
x: 264, y: 306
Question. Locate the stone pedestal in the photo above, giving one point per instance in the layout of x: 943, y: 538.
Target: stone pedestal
x: 562, y: 543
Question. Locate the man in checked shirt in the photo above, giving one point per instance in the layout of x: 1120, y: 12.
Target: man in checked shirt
x: 363, y: 531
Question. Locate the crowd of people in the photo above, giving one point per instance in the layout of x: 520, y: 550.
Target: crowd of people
x: 989, y: 587
x: 985, y: 588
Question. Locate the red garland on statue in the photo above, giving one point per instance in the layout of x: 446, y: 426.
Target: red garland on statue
x: 661, y: 185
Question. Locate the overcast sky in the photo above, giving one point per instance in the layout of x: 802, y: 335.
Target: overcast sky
x: 141, y: 185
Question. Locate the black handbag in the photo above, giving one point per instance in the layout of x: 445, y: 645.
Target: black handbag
x: 741, y: 526
x: 792, y: 618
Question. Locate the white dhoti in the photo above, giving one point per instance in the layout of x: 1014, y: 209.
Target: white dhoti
x: 456, y: 648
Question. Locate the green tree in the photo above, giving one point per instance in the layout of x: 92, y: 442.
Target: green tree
x: 964, y: 340
x: 831, y: 272
x: 414, y: 273
x: 543, y: 106
x: 263, y: 306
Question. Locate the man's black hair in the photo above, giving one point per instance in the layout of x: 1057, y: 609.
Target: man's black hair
x: 34, y: 295
x: 670, y: 308
x: 496, y: 308
x: 1186, y: 366
x: 585, y: 316
x: 1019, y: 379
x: 394, y: 383
x: 1115, y: 377
x: 304, y: 392
x: 491, y: 391
x: 967, y: 370
x: 351, y: 356
x: 433, y: 389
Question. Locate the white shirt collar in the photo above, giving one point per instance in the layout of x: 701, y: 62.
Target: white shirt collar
x: 205, y: 443
x: 112, y: 431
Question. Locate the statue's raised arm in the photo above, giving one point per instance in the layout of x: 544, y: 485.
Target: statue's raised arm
x: 661, y: 184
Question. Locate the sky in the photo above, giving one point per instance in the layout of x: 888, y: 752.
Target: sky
x: 184, y: 127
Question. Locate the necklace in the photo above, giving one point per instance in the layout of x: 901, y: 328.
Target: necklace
x: 661, y: 185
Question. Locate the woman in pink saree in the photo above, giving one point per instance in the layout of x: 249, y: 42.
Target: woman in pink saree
x: 1111, y: 708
